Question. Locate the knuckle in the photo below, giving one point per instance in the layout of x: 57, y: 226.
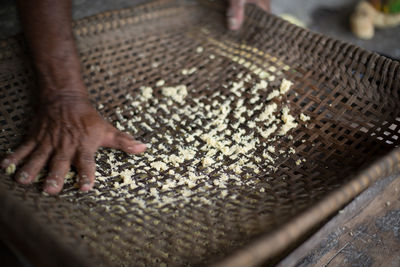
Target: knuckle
x: 37, y: 153
x: 31, y: 165
x: 122, y: 135
x: 42, y: 151
x: 67, y: 142
x: 86, y: 157
x: 84, y: 178
x: 61, y: 158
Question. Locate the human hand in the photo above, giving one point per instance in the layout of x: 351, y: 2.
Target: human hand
x: 235, y: 12
x: 67, y: 131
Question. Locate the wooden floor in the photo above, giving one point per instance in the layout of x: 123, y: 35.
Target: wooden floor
x: 364, y: 233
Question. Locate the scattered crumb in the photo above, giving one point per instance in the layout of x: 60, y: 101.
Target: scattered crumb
x: 147, y: 92
x: 160, y: 83
x: 285, y: 86
x: 10, y: 169
x: 273, y: 94
x: 177, y: 93
x: 159, y: 165
x: 192, y: 70
x: 289, y: 121
x: 304, y: 117
x: 203, y: 145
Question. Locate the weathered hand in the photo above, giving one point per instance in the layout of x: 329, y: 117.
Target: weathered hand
x: 67, y: 131
x: 236, y: 11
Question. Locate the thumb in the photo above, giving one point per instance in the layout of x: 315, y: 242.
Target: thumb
x: 125, y: 142
x: 235, y: 14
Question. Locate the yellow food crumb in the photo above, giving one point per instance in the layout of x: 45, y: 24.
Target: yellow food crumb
x: 11, y: 169
x: 285, y: 86
x: 304, y: 117
x: 147, y: 92
x: 177, y: 93
x: 273, y: 94
x: 212, y: 144
x: 289, y: 121
x: 159, y: 165
x: 160, y: 83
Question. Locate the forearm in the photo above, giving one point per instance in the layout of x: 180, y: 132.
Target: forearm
x: 48, y: 29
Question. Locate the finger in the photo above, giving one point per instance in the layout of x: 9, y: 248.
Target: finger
x: 263, y: 4
x: 20, y: 153
x: 58, y: 168
x: 266, y: 5
x: 86, y: 168
x: 125, y: 142
x: 235, y: 14
x: 35, y: 163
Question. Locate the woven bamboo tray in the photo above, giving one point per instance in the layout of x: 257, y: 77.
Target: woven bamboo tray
x: 351, y: 96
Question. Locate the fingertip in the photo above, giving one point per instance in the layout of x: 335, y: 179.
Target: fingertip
x: 85, y: 188
x: 137, y: 148
x: 235, y: 14
x: 23, y: 178
x: 52, y: 186
x: 51, y: 190
x: 233, y: 24
x: 85, y: 183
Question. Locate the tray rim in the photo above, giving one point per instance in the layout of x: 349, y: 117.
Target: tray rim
x: 270, y: 244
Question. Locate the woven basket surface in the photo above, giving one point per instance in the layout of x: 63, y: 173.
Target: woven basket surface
x: 215, y: 207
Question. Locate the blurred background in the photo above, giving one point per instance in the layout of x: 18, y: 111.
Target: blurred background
x: 330, y: 17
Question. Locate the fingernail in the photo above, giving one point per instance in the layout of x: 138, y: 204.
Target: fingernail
x: 23, y: 176
x: 84, y: 180
x: 84, y: 183
x: 5, y: 163
x: 51, y: 183
x: 137, y: 148
x: 53, y: 176
x: 137, y: 143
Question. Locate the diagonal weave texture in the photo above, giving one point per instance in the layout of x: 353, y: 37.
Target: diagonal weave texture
x: 351, y: 96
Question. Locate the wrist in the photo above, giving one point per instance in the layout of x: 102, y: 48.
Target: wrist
x: 73, y: 93
x: 60, y: 80
x: 54, y: 73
